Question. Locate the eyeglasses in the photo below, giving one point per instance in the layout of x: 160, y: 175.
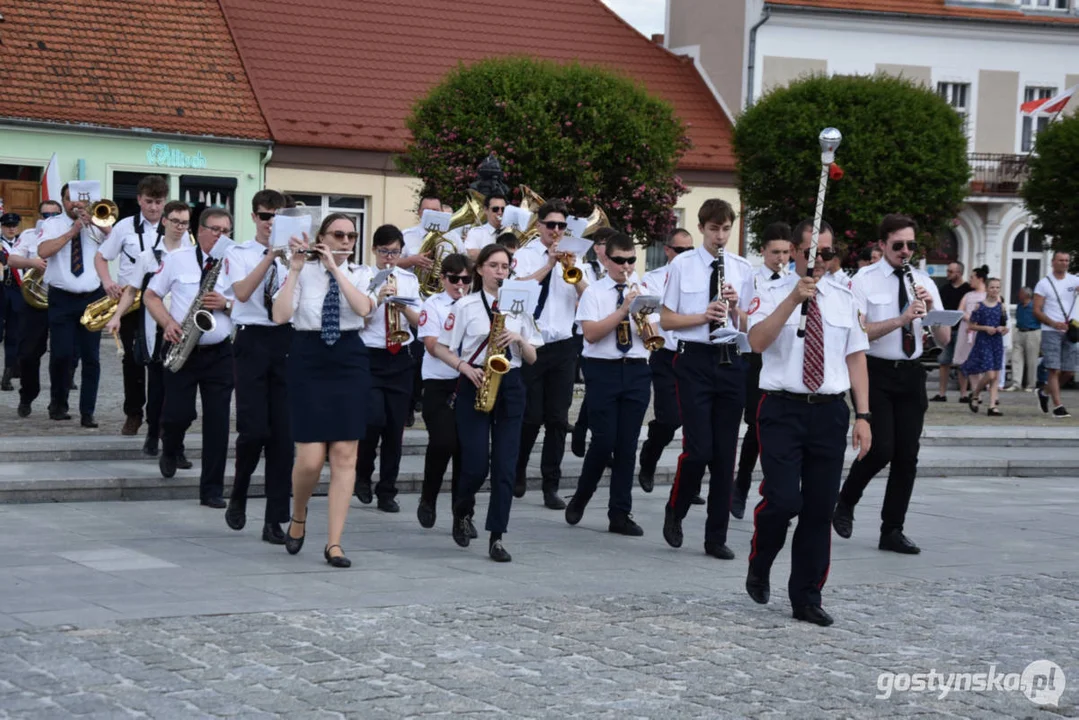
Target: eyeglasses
x: 456, y: 279
x: 179, y: 223
x: 622, y: 260
x: 553, y: 225
x: 341, y: 235
x: 265, y: 216
x: 497, y: 210
x: 217, y: 230
x: 825, y: 254
x: 383, y: 251
x: 679, y: 250
x: 47, y: 215
x: 898, y: 246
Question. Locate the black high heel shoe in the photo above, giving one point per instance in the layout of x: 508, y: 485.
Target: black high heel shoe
x: 337, y: 561
x: 294, y: 544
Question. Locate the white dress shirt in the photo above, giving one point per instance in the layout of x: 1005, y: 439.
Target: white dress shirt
x: 783, y: 361
x: 123, y: 242
x: 593, y: 273
x: 433, y: 316
x: 374, y: 329
x: 560, y: 310
x: 687, y: 288
x: 481, y: 236
x: 598, y: 301
x: 310, y: 293
x: 467, y: 326
x: 655, y: 283
x: 1049, y: 287
x: 181, y: 275
x: 414, y: 236
x: 147, y: 263
x: 240, y: 261
x: 58, y: 272
x: 876, y: 290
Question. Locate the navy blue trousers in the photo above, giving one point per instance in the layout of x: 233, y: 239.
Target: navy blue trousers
x: 666, y: 418
x: 710, y: 399
x: 390, y: 401
x: 70, y: 340
x: 33, y: 342
x: 10, y: 314
x: 489, y: 442
x: 802, y: 448
x: 617, y: 394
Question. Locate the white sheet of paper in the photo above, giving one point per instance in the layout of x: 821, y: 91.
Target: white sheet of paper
x: 406, y: 301
x: 84, y: 190
x: 435, y: 220
x: 217, y: 252
x: 379, y: 277
x: 289, y: 226
x: 518, y: 296
x: 572, y: 244
x: 516, y: 218
x: 649, y: 302
x: 942, y: 317
x: 576, y: 226
x: 723, y: 336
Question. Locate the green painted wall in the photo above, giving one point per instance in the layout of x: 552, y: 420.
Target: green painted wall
x: 100, y: 155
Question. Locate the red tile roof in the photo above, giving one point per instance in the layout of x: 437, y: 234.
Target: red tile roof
x: 934, y: 8
x: 170, y: 66
x: 345, y: 74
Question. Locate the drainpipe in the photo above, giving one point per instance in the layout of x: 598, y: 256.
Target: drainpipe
x: 752, y: 65
x: 262, y: 166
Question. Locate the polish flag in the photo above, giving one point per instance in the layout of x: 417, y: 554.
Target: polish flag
x: 1049, y: 105
x: 50, y: 184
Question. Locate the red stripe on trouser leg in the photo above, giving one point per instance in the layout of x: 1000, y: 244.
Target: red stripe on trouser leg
x: 682, y: 455
x: 764, y: 503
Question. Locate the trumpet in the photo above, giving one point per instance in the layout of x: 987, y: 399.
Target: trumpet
x: 396, y: 334
x: 570, y: 274
x: 651, y: 339
x: 103, y: 215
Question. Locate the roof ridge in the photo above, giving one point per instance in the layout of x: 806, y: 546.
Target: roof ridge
x: 255, y: 89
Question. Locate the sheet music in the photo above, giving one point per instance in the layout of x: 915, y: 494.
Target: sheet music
x: 724, y: 336
x: 518, y: 296
x: 942, y: 317
x: 286, y: 227
x: 434, y: 220
x: 650, y: 303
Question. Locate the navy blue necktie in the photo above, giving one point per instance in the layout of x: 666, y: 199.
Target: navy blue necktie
x: 331, y: 313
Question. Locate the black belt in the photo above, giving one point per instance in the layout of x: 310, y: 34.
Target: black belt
x: 1028, y: 329
x: 252, y: 326
x: 213, y: 346
x: 724, y: 353
x: 809, y: 398
x: 619, y: 361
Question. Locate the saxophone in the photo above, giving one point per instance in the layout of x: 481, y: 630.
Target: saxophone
x: 495, y: 365
x: 196, y: 322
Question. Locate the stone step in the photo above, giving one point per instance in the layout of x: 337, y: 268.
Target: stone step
x: 64, y: 481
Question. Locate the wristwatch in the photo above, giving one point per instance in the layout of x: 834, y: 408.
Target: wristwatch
x: 867, y: 416
x: 228, y: 307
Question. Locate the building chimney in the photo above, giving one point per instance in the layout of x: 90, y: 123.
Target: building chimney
x: 658, y: 39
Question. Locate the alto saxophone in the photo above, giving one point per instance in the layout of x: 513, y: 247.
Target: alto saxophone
x: 196, y: 322
x: 495, y: 365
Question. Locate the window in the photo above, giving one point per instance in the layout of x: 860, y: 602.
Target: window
x: 1046, y: 4
x: 354, y: 207
x: 1034, y: 124
x: 957, y: 95
x: 1028, y: 258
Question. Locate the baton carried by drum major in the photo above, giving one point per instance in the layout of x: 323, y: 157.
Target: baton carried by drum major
x: 829, y: 140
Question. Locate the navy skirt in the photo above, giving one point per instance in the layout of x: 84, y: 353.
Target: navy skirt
x: 329, y: 387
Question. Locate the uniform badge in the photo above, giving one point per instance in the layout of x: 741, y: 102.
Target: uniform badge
x: 850, y: 285
x: 861, y: 321
x: 423, y: 318
x: 226, y: 266
x: 449, y: 322
x: 754, y: 305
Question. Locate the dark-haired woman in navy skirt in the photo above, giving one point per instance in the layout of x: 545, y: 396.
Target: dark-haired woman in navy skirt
x: 326, y: 301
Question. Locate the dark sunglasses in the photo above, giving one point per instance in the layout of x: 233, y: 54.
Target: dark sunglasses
x: 825, y: 254
x: 622, y: 260
x: 898, y: 246
x: 456, y: 279
x: 553, y: 225
x: 498, y: 210
x: 341, y: 235
x: 48, y: 215
x: 679, y: 250
x: 264, y: 216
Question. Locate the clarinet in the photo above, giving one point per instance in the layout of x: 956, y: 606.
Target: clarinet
x: 719, y: 288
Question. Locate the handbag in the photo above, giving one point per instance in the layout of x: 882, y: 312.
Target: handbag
x: 1072, y: 333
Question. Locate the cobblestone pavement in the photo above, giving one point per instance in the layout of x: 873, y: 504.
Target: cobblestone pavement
x: 1020, y: 408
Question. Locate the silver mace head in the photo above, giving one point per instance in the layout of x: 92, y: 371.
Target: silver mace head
x: 829, y: 141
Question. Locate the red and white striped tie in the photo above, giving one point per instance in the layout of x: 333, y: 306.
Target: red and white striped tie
x: 813, y: 352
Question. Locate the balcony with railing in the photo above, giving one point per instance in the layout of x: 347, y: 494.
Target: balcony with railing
x: 997, y: 174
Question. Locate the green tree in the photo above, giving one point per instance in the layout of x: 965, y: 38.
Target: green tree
x: 903, y: 151
x: 1052, y: 191
x: 582, y: 134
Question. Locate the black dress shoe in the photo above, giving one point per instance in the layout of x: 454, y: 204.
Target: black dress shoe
x: 273, y: 534
x: 577, y: 443
x: 461, y: 535
x: 5, y: 383
x: 896, y: 541
x: 24, y: 410
x: 364, y: 492
x: 624, y: 525
x: 738, y: 503
x: 758, y: 587
x: 520, y: 486
x: 425, y: 513
x: 843, y: 519
x: 575, y: 509
x: 183, y: 463
x: 59, y: 414
x: 214, y: 502
x: 672, y: 528
x: 294, y: 544
x: 337, y: 561
x: 552, y: 501
x: 498, y: 553
x: 389, y: 505
x: 646, y: 479
x: 472, y: 532
x: 236, y: 517
x: 167, y: 465
x: 150, y: 446
x: 411, y: 419
x: 87, y: 421
x: 718, y: 550
x: 813, y: 614
x: 698, y: 501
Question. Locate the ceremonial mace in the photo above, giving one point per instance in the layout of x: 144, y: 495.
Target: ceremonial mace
x: 829, y: 141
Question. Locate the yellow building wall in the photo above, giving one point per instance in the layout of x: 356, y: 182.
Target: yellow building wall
x: 691, y: 202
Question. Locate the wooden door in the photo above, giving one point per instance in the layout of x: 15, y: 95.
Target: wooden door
x: 21, y: 196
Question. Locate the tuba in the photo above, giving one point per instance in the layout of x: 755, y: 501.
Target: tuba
x: 34, y: 290
x: 99, y: 312
x: 436, y: 243
x: 495, y: 365
x: 531, y: 201
x: 196, y: 322
x: 395, y: 319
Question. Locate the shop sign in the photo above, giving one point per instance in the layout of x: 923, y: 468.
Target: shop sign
x: 161, y: 155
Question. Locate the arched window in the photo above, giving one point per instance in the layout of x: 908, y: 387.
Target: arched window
x: 1028, y: 261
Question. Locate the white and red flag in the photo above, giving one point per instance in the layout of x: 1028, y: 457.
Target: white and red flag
x: 1049, y: 105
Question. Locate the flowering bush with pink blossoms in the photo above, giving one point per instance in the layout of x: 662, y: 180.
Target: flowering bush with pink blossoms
x: 583, y: 134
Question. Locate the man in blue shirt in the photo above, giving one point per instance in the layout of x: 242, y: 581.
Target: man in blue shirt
x: 1026, y: 344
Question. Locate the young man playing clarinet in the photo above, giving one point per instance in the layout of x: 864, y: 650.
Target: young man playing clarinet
x: 707, y: 289
x: 803, y: 420
x: 253, y: 273
x: 391, y: 372
x: 617, y: 384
